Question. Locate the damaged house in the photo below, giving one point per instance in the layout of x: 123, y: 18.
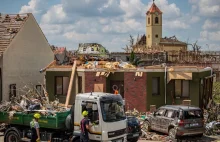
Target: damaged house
x: 24, y: 50
x: 140, y: 87
x: 92, y: 49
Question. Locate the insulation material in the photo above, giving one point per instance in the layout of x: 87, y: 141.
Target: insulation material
x: 179, y: 75
x: 98, y: 88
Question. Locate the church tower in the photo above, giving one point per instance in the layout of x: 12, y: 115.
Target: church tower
x: 153, y: 26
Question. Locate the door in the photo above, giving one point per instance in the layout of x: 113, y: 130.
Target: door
x: 166, y: 120
x: 156, y: 120
x: 119, y: 85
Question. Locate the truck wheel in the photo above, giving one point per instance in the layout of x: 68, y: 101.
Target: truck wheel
x: 12, y: 136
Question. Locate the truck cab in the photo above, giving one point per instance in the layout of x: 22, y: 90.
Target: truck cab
x: 106, y: 113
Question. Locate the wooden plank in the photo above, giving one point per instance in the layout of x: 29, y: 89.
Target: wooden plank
x: 98, y: 88
x: 70, y: 84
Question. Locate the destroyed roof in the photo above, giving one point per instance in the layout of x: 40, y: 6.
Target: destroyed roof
x: 171, y: 40
x: 154, y: 9
x: 9, y: 27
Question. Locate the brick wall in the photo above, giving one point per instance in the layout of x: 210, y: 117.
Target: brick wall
x: 135, y: 91
x: 91, y: 79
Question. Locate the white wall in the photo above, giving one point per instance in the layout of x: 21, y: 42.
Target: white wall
x: 25, y: 56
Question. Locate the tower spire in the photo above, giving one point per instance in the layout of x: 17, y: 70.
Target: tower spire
x: 153, y: 1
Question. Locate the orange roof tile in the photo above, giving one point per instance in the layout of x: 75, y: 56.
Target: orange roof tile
x: 154, y: 9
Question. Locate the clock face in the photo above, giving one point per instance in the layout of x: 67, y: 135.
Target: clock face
x: 156, y: 13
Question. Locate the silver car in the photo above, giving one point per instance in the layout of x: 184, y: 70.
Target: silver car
x: 176, y: 120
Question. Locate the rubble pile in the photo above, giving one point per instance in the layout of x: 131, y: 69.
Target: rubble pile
x: 30, y: 102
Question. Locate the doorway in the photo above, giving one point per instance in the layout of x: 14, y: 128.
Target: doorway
x: 119, y: 85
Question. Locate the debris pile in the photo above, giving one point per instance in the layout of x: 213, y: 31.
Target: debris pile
x: 31, y: 101
x: 145, y: 134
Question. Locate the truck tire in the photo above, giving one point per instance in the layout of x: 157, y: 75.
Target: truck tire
x: 12, y: 136
x: 68, y: 123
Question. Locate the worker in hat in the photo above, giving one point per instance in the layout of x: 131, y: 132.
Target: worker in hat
x: 84, y: 126
x: 35, y: 135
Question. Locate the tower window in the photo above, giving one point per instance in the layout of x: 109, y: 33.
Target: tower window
x: 156, y: 20
x: 148, y: 20
x: 156, y: 35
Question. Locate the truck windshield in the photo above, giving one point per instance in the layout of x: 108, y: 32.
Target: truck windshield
x: 112, y: 111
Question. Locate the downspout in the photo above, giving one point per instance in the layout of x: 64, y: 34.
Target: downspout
x: 165, y: 84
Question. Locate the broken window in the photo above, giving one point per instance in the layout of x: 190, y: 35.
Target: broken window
x: 155, y: 86
x: 169, y: 113
x: 12, y: 91
x: 156, y: 20
x: 181, y: 88
x: 62, y: 84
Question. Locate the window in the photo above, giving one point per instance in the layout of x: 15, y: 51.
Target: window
x: 62, y: 84
x: 160, y: 112
x: 181, y: 88
x: 12, y: 91
x: 148, y: 20
x: 39, y: 89
x: 84, y: 49
x: 156, y: 35
x: 92, y: 109
x: 92, y: 49
x: 169, y: 114
x: 156, y: 20
x: 155, y: 86
x: 80, y: 84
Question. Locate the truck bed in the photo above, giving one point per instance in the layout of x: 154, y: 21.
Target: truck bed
x: 52, y: 122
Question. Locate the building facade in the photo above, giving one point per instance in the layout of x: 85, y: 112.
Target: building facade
x: 155, y: 85
x: 24, y: 51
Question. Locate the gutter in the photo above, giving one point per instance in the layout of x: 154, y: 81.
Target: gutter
x: 165, y: 83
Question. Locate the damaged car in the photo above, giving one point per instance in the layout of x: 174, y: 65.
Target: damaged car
x: 176, y: 121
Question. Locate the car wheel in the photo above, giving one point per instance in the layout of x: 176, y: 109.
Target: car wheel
x: 172, y: 133
x: 146, y: 126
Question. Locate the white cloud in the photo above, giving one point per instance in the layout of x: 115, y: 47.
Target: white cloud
x: 210, y: 25
x: 133, y: 8
x: 210, y: 36
x: 209, y: 8
x: 194, y: 19
x: 55, y: 15
x: 176, y: 24
x: 34, y: 6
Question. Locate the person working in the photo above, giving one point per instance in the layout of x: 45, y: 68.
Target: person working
x: 84, y: 126
x: 35, y: 135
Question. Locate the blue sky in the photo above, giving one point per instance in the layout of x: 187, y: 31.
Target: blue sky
x: 67, y: 23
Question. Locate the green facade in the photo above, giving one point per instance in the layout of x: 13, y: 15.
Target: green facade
x: 50, y: 85
x: 159, y: 100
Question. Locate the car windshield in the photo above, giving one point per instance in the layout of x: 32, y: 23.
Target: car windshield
x: 112, y: 111
x: 193, y: 114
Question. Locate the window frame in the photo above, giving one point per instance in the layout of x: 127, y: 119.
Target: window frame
x: 62, y: 86
x: 181, y: 96
x: 158, y: 89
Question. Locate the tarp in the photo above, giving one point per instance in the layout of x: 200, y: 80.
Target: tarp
x: 179, y: 75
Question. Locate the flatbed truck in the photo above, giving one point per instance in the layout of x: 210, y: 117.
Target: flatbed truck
x: 106, y: 113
